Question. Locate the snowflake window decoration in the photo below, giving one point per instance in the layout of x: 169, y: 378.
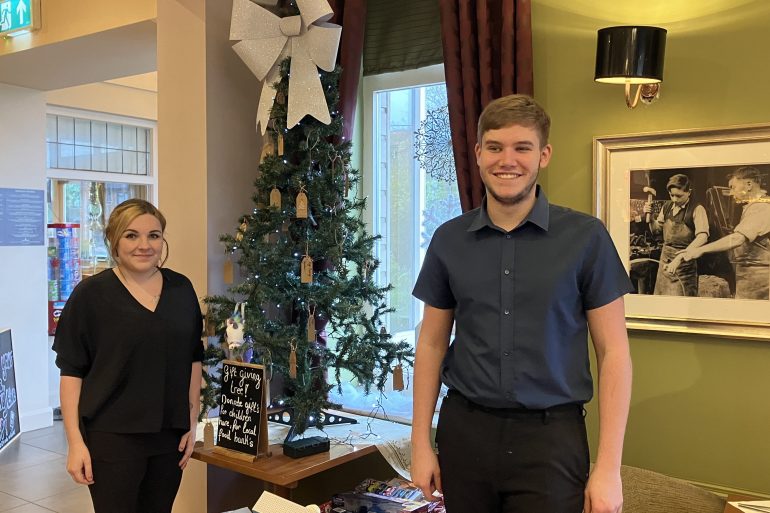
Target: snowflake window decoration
x: 433, y: 145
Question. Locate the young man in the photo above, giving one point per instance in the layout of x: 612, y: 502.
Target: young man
x: 750, y: 238
x: 523, y: 281
x: 684, y: 224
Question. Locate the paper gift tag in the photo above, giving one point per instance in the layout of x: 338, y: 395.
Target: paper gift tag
x: 311, y: 328
x: 302, y: 205
x: 307, y: 270
x: 275, y: 198
x: 398, y: 378
x: 293, y: 361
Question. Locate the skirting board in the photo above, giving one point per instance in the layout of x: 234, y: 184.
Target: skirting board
x: 36, y: 419
x: 724, y: 491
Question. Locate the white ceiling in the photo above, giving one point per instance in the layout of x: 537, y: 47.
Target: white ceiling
x: 120, y: 52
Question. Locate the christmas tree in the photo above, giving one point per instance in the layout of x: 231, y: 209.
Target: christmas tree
x: 313, y: 312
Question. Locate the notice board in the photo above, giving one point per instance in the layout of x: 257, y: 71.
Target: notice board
x: 9, y: 408
x: 242, y: 429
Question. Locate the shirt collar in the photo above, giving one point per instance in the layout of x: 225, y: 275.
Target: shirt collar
x: 537, y: 216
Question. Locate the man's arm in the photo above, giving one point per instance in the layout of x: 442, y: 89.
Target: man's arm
x: 730, y: 241
x: 604, y: 493
x: 431, y: 348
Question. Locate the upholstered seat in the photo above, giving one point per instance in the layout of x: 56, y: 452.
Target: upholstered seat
x: 645, y: 491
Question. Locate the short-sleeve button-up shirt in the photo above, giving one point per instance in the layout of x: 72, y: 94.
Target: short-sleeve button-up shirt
x: 520, y: 300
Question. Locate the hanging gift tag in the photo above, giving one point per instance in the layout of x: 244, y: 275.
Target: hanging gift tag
x: 398, y: 378
x: 307, y: 270
x: 275, y: 198
x: 311, y: 325
x: 302, y: 205
x: 227, y: 271
x: 208, y: 435
x: 293, y: 361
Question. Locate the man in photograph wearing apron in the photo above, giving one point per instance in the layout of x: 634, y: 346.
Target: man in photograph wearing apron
x: 750, y: 238
x: 684, y: 224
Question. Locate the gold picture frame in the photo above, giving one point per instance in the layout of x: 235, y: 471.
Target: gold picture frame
x: 624, y: 165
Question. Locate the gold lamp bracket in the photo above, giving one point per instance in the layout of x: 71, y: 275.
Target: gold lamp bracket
x: 646, y: 92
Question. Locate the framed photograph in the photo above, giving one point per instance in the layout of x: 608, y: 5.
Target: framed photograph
x: 665, y: 195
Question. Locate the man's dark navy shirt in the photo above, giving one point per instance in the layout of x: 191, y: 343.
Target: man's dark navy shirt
x: 520, y: 301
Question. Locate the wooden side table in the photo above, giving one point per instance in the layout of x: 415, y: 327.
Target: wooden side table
x: 280, y: 473
x: 732, y: 498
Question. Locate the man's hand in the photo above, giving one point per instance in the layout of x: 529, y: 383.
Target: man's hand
x: 186, y: 445
x: 425, y: 471
x: 604, y: 493
x: 673, y: 265
x: 79, y: 464
x: 690, y: 253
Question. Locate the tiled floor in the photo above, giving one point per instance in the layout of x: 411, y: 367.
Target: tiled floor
x: 33, y: 478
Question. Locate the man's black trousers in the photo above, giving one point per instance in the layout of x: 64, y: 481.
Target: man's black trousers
x: 511, y: 460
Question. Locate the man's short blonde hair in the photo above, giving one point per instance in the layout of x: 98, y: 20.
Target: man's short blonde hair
x: 515, y: 109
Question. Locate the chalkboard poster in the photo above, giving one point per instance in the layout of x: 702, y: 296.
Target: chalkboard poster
x: 242, y: 414
x: 9, y: 408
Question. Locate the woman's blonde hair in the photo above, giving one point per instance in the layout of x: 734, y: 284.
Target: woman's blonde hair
x: 123, y: 215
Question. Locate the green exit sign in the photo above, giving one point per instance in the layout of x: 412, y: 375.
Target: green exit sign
x: 19, y: 16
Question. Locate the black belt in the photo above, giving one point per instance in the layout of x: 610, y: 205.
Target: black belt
x: 569, y: 410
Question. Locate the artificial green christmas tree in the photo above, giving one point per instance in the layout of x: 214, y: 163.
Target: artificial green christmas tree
x: 309, y: 165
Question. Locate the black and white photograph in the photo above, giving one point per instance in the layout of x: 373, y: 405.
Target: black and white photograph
x: 673, y: 210
x: 689, y: 213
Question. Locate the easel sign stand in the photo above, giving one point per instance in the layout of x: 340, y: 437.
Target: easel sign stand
x: 242, y: 430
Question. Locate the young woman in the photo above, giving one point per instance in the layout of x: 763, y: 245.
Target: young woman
x: 129, y: 348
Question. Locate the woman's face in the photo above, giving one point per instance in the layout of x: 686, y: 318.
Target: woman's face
x: 140, y: 245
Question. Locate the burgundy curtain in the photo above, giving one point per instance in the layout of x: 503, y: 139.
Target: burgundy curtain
x: 351, y: 16
x: 487, y: 54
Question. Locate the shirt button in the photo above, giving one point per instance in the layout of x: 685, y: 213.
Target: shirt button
x: 507, y: 271
x: 506, y: 312
x: 507, y: 236
x: 507, y: 353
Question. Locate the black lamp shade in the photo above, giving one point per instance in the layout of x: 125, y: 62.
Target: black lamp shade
x: 630, y: 55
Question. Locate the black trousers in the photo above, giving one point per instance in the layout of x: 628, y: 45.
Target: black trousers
x: 141, y: 485
x: 511, y: 461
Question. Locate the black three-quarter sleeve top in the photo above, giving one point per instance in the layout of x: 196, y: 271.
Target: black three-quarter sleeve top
x: 135, y: 363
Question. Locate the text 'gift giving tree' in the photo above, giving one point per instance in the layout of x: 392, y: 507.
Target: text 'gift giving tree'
x: 311, y: 309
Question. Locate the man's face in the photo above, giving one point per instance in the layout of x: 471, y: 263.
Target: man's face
x: 509, y: 159
x: 740, y: 189
x: 679, y: 196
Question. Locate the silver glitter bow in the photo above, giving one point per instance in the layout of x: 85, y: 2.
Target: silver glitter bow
x: 265, y: 40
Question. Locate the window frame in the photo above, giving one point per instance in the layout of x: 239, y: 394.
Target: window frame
x: 371, y: 85
x: 150, y: 179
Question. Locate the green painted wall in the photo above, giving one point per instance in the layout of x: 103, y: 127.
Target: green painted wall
x: 701, y: 405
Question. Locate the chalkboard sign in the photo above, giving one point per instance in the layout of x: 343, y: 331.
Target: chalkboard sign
x: 9, y: 408
x: 242, y: 430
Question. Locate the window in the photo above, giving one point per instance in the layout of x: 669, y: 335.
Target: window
x: 95, y: 161
x: 97, y: 145
x: 405, y: 118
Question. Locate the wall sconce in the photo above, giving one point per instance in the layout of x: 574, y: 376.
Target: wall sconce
x: 631, y: 55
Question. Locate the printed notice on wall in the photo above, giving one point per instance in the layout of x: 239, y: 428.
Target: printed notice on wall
x: 241, y: 408
x: 9, y: 408
x: 22, y: 217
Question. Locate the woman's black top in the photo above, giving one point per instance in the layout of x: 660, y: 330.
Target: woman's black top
x: 135, y: 363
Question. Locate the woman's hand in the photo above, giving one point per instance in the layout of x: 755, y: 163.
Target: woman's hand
x: 79, y: 464
x: 186, y: 446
